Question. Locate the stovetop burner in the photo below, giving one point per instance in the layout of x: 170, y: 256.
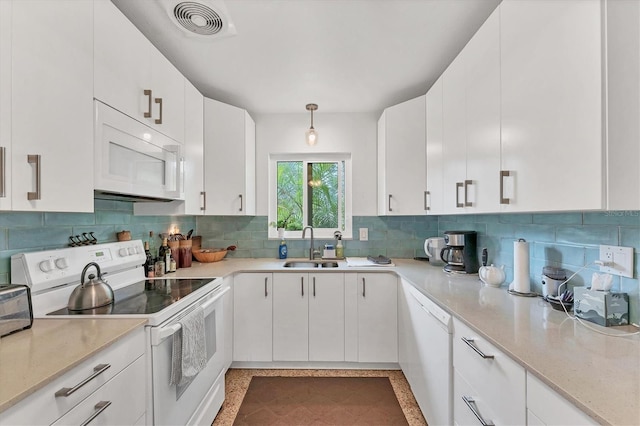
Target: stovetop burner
x: 144, y: 297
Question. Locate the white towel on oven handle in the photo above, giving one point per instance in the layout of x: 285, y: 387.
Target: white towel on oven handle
x: 189, y: 354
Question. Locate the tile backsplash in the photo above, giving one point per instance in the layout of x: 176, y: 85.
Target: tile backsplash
x: 568, y: 240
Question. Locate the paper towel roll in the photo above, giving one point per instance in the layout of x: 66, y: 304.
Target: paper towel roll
x: 521, y: 282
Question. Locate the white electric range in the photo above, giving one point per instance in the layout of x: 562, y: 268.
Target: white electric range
x: 53, y: 274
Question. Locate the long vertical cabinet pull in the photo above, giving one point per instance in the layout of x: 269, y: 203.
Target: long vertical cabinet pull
x: 147, y: 93
x: 302, y: 286
x: 390, y: 209
x: 458, y: 186
x: 364, y: 288
x: 314, y: 286
x: 204, y: 201
x: 99, y: 407
x: 467, y: 203
x: 35, y: 159
x: 240, y: 195
x: 503, y: 174
x: 266, y: 292
x: 159, y: 120
x: 3, y: 172
x: 427, y: 194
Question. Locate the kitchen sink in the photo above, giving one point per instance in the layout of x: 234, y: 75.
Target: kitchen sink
x: 310, y: 264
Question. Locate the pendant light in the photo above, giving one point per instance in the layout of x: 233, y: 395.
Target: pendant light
x: 311, y: 135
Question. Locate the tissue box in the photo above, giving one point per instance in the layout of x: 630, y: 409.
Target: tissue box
x: 601, y: 307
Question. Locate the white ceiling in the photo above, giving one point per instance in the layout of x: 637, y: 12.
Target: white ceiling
x: 344, y: 55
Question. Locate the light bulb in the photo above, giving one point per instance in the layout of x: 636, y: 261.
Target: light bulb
x: 312, y: 136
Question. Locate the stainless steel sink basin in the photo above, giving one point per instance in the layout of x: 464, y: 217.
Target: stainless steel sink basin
x: 310, y: 264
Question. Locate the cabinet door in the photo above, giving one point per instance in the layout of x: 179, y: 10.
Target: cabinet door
x: 482, y: 82
x: 290, y: 317
x: 454, y: 146
x: 404, y: 171
x: 326, y: 317
x: 193, y: 150
x: 168, y: 87
x: 551, y: 104
x: 122, y: 63
x: 252, y: 317
x: 230, y: 160
x: 5, y: 105
x: 377, y: 317
x: 52, y: 105
x: 434, y: 149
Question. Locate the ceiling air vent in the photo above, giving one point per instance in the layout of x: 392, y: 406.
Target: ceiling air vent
x: 202, y: 18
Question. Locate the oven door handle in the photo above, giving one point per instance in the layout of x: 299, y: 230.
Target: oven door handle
x: 160, y: 334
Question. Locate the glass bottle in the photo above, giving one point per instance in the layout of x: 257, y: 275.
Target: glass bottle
x: 149, y: 261
x: 164, y: 255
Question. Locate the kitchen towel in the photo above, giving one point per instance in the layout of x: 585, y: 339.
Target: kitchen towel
x: 521, y: 281
x: 189, y: 352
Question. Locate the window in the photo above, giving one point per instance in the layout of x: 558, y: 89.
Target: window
x: 310, y: 191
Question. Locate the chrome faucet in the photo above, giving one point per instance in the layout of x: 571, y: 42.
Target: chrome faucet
x: 311, y: 250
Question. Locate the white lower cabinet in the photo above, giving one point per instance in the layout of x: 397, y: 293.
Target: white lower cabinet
x: 308, y: 317
x: 371, y: 322
x: 487, y: 383
x: 547, y: 407
x: 252, y: 317
x: 114, y: 379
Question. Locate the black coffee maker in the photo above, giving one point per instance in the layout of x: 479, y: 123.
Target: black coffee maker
x: 460, y: 254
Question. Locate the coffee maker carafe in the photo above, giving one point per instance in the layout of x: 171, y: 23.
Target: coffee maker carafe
x: 460, y: 254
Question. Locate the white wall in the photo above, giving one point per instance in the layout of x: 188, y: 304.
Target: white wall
x: 354, y: 133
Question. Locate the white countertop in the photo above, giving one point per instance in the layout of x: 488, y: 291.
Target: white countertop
x: 598, y: 373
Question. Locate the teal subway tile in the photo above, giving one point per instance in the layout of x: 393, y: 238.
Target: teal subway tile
x: 539, y: 233
x: 57, y: 219
x: 21, y: 238
x: 487, y: 218
x: 573, y: 255
x: 4, y: 278
x: 15, y: 219
x: 593, y: 235
x: 377, y: 235
x: 517, y: 218
x: 402, y: 253
x: 558, y: 218
x: 112, y: 218
x: 501, y: 230
x: 630, y: 237
x: 104, y: 204
x: 237, y: 235
x: 613, y: 217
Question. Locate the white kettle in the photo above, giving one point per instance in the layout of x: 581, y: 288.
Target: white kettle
x: 492, y: 275
x: 432, y: 248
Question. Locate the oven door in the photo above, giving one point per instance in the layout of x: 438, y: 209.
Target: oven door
x: 179, y: 405
x: 133, y: 159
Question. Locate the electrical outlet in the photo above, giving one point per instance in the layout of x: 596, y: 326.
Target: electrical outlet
x: 364, y: 234
x: 618, y: 260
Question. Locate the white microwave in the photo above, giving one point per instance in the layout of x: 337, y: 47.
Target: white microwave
x: 134, y: 161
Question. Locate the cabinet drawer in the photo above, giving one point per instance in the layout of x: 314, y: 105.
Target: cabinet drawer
x: 463, y: 413
x: 121, y: 401
x: 546, y: 406
x: 496, y: 377
x: 44, y: 407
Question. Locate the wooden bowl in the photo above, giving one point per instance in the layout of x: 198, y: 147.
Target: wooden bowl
x: 209, y: 255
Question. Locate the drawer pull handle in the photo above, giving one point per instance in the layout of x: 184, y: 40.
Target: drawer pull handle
x: 204, y: 200
x: 472, y: 345
x: 159, y: 102
x: 97, y: 370
x: 364, y: 288
x: 266, y: 292
x: 37, y: 160
x: 302, y: 286
x: 149, y: 95
x: 390, y: 209
x: 458, y: 186
x: 503, y: 174
x: 314, y: 286
x: 99, y: 407
x: 471, y: 403
x: 427, y: 194
x: 241, y: 206
x: 467, y: 203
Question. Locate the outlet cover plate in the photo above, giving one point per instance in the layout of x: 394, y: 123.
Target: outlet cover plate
x: 620, y: 260
x: 364, y: 234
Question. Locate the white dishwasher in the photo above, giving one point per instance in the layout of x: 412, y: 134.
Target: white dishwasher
x: 431, y: 371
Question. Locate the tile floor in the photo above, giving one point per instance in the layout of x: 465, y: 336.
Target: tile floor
x: 237, y: 382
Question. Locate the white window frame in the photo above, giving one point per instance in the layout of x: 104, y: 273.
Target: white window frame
x: 319, y: 233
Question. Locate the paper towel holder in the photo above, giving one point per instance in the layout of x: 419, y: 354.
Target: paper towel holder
x: 521, y: 280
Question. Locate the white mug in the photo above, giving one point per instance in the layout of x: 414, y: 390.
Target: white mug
x: 432, y: 248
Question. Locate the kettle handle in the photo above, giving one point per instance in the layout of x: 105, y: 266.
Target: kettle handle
x: 84, y: 271
x: 427, y: 244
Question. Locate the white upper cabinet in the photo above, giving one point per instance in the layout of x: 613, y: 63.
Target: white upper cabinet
x: 401, y: 159
x: 471, y: 124
x: 132, y: 76
x: 46, y: 107
x: 434, y: 149
x: 230, y: 160
x: 551, y: 93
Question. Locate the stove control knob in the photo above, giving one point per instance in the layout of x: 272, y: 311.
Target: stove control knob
x: 123, y: 252
x: 62, y: 263
x: 131, y: 250
x: 47, y: 265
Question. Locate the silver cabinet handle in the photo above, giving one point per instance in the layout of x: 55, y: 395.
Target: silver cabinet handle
x: 503, y: 174
x: 35, y: 159
x: 390, y: 209
x: 466, y: 193
x: 426, y: 206
x: 147, y: 93
x: 240, y: 195
x: 3, y: 172
x: 97, y: 370
x: 204, y: 200
x: 302, y: 286
x: 266, y: 293
x: 471, y: 403
x: 472, y: 345
x: 458, y: 186
x: 364, y: 288
x: 99, y: 407
x: 314, y: 286
x: 159, y: 120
